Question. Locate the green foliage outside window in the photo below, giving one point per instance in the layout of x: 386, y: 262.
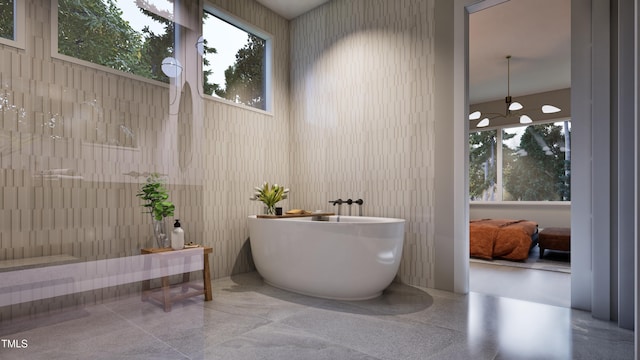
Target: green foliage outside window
x: 245, y: 79
x: 482, y: 164
x: 538, y: 168
x: 93, y: 30
x: 7, y: 19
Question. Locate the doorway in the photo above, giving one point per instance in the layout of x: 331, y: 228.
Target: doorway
x: 519, y: 51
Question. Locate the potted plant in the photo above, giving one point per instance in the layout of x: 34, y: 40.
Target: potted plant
x: 270, y: 195
x: 157, y: 202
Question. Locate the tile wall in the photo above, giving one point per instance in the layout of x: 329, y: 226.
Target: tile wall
x: 76, y: 143
x: 362, y: 117
x: 352, y: 117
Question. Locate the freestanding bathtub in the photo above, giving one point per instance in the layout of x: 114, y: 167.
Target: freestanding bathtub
x: 353, y: 259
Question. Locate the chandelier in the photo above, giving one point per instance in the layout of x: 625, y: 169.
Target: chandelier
x: 512, y: 108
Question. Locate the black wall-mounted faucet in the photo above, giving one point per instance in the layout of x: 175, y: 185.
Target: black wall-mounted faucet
x: 348, y: 202
x: 337, y: 202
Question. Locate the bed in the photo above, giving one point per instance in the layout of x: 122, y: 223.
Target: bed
x: 502, y: 238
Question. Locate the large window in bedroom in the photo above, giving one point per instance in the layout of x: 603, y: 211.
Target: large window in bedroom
x: 521, y: 163
x: 236, y: 64
x: 125, y: 35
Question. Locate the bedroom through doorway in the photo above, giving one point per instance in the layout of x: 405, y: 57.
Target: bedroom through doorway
x: 520, y: 149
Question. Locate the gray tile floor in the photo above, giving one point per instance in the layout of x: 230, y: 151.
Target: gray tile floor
x: 248, y: 319
x: 540, y: 286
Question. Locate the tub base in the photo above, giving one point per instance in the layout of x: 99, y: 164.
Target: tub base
x: 367, y: 297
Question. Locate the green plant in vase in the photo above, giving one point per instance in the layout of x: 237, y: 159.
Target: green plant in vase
x: 270, y: 195
x: 157, y: 202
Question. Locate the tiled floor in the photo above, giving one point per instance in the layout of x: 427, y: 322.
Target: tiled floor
x: 540, y: 286
x: 250, y: 320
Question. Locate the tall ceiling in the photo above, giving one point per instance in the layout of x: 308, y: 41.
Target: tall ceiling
x: 290, y: 9
x: 536, y: 33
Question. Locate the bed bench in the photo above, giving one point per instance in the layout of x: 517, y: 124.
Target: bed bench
x: 554, y: 238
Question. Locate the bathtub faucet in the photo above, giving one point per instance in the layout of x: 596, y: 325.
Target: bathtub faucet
x: 348, y: 202
x: 337, y: 202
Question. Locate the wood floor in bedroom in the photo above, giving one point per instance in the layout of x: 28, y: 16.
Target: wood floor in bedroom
x: 541, y: 286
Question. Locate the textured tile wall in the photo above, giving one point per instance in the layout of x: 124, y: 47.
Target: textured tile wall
x: 362, y: 123
x: 75, y: 143
x: 244, y: 148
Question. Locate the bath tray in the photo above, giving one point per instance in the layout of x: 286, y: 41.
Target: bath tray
x: 292, y: 215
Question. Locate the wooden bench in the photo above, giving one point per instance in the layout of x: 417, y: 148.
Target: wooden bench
x: 164, y: 295
x: 31, y: 279
x: 554, y: 238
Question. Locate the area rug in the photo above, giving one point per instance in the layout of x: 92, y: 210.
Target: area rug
x: 552, y: 261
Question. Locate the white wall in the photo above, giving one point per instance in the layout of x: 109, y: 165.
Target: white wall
x: 546, y: 215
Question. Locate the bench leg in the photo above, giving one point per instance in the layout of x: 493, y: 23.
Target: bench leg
x: 166, y: 294
x: 206, y: 277
x: 541, y: 252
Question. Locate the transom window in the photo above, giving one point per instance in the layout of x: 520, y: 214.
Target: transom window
x: 532, y: 163
x: 118, y: 34
x: 235, y: 61
x: 7, y: 19
x: 12, y: 23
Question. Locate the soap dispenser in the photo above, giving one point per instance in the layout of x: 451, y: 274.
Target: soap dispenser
x: 177, y: 236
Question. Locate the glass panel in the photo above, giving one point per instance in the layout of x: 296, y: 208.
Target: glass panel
x: 537, y: 162
x: 482, y: 165
x: 118, y: 34
x: 234, y: 62
x: 7, y: 19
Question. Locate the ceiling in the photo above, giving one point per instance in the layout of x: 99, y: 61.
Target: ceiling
x: 536, y: 33
x: 290, y: 9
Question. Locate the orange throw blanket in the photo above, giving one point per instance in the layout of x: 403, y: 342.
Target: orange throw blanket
x: 501, y: 238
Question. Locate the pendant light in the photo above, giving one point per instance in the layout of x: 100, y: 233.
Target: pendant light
x: 512, y: 108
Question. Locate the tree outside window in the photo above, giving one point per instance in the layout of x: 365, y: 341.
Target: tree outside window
x: 7, y: 19
x: 96, y: 31
x: 536, y: 163
x: 244, y: 75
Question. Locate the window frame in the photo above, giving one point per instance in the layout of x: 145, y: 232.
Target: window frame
x: 268, y: 57
x: 499, y: 166
x: 19, y: 26
x: 56, y: 55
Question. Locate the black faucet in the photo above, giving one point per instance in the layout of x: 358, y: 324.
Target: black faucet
x: 338, y: 202
x: 334, y: 202
x: 348, y: 202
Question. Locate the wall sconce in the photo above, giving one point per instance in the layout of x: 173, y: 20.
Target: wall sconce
x: 171, y: 67
x: 200, y: 45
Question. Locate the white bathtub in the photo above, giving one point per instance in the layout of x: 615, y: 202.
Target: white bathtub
x: 354, y: 259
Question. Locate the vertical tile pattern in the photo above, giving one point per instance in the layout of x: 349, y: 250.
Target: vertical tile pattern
x: 244, y: 148
x: 352, y: 117
x: 76, y: 143
x: 362, y: 116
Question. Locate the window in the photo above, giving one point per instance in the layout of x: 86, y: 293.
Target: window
x: 7, y: 19
x: 12, y: 23
x: 532, y: 163
x: 235, y: 60
x: 118, y: 34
